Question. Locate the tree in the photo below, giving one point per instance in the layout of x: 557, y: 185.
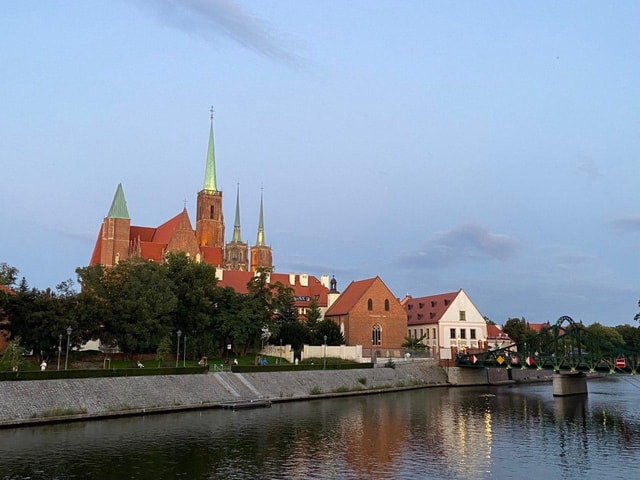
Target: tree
x: 630, y: 336
x: 412, y: 343
x: 637, y: 316
x: 330, y: 329
x: 608, y: 337
x: 518, y: 330
x: 8, y: 274
x: 164, y: 350
x: 12, y: 358
x: 313, y: 316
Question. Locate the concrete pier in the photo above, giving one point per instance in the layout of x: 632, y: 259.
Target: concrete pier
x: 565, y: 384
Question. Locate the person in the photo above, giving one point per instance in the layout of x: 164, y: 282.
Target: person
x: 140, y: 365
x: 235, y: 361
x: 43, y: 365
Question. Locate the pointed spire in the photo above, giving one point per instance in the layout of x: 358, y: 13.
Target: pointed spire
x: 210, y: 171
x: 119, y: 205
x: 236, y: 225
x: 260, y: 240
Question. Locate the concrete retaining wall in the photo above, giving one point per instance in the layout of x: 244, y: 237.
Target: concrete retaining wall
x: 37, y: 401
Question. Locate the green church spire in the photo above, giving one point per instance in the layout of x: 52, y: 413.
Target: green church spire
x: 236, y: 225
x: 260, y: 240
x: 210, y: 171
x: 119, y: 205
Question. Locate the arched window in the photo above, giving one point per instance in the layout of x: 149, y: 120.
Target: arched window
x: 212, y: 212
x: 370, y: 304
x: 386, y: 305
x: 376, y: 335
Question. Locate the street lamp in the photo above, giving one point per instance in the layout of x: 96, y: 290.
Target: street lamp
x: 324, y: 359
x: 178, y: 348
x: 59, y: 350
x: 184, y: 352
x: 66, y: 358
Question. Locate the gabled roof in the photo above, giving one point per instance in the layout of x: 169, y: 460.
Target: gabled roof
x: 165, y: 231
x: 354, y: 292
x: 494, y: 332
x: 303, y: 294
x: 536, y: 327
x: 428, y: 309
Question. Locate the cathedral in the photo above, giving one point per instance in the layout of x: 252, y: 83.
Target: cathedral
x: 118, y: 239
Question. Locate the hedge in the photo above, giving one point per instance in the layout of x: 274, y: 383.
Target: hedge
x: 99, y: 373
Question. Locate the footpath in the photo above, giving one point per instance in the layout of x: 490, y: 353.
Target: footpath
x: 46, y: 401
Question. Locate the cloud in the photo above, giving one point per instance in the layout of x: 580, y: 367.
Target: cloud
x: 214, y: 18
x: 630, y: 223
x: 465, y: 242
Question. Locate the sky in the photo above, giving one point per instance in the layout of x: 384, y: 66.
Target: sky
x: 483, y: 145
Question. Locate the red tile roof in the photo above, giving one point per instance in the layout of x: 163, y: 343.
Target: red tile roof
x: 536, y: 327
x: 4, y: 288
x: 302, y: 294
x: 97, y: 249
x: 428, y: 309
x: 494, y: 332
x: 354, y: 292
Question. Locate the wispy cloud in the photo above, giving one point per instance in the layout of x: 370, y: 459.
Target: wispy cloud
x: 630, y: 223
x: 223, y: 18
x: 465, y: 242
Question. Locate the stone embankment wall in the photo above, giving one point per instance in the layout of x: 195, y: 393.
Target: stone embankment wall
x: 48, y: 400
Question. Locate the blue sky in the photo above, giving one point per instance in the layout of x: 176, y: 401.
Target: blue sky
x: 489, y: 146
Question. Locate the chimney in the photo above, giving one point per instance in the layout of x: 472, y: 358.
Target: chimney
x: 292, y: 279
x: 304, y: 279
x: 219, y: 273
x: 324, y: 280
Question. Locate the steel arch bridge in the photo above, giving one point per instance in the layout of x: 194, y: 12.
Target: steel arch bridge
x: 567, y: 345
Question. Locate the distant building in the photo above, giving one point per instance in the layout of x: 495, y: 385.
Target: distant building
x: 370, y: 315
x: 118, y: 239
x: 448, y: 320
x: 496, y: 338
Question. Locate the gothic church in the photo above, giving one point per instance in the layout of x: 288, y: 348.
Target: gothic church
x: 118, y: 239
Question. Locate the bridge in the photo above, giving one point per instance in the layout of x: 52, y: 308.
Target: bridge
x: 567, y: 348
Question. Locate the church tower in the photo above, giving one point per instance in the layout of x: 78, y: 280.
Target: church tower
x: 209, y: 218
x: 260, y: 252
x: 236, y: 252
x: 114, y: 238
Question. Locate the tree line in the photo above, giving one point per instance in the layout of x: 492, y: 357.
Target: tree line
x: 138, y: 306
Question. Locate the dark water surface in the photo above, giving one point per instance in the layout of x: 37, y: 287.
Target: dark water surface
x: 518, y: 432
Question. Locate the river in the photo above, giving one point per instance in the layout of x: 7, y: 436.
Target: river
x: 519, y: 432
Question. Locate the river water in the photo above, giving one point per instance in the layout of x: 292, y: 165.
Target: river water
x: 519, y: 432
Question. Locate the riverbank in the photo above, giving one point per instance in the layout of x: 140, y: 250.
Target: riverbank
x: 48, y: 401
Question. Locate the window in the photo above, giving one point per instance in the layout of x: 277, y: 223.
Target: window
x: 369, y: 304
x: 376, y: 335
x: 410, y: 306
x: 433, y: 330
x: 386, y: 305
x: 415, y: 332
x: 472, y: 332
x: 212, y: 211
x: 421, y: 333
x: 463, y: 333
x: 463, y: 315
x: 427, y: 333
x: 452, y: 333
x: 421, y: 305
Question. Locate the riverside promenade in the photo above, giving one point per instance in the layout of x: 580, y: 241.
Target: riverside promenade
x: 44, y: 401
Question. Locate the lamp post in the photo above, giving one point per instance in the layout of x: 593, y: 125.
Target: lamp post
x: 184, y: 352
x: 59, y: 350
x: 66, y: 358
x: 179, y: 333
x: 324, y: 356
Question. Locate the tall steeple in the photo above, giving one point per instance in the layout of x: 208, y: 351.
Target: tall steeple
x: 119, y: 205
x: 236, y: 252
x: 260, y: 252
x: 210, y: 170
x: 209, y: 217
x: 260, y: 239
x: 236, y: 225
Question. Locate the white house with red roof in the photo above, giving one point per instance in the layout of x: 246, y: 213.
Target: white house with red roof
x: 448, y: 320
x: 496, y: 338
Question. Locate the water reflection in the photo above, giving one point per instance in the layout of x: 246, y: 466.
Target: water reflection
x: 470, y: 433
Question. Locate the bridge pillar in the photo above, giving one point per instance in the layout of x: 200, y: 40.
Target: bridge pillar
x: 565, y: 384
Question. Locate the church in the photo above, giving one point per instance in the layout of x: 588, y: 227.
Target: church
x: 119, y: 240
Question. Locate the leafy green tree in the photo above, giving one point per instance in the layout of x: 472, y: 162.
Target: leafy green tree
x: 630, y: 336
x: 608, y: 337
x: 137, y: 302
x: 313, y: 316
x: 331, y: 330
x: 194, y: 286
x: 637, y: 316
x: 164, y: 350
x: 518, y: 330
x: 8, y: 274
x: 12, y: 358
x: 412, y: 343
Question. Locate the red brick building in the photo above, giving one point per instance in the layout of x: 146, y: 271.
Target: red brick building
x: 118, y: 239
x: 370, y: 315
